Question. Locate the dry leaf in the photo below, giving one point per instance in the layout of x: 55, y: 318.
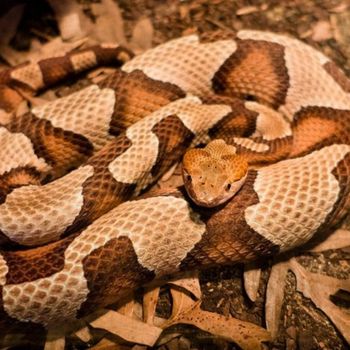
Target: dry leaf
x: 177, y: 343
x: 127, y: 309
x: 340, y: 23
x: 246, y: 10
x: 321, y: 31
x: 127, y: 328
x: 341, y: 7
x: 337, y: 240
x: 68, y: 15
x: 109, y: 24
x: 184, y: 11
x: 247, y: 335
x: 53, y: 342
x: 190, y: 284
x: 307, y: 33
x: 142, y: 35
x: 251, y: 278
x: 84, y: 334
x: 181, y: 303
x: 274, y: 296
x: 150, y: 299
x: 309, y: 284
x: 167, y: 338
x: 55, y: 337
x: 135, y: 310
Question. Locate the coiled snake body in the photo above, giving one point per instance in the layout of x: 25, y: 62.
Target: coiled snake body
x: 273, y: 98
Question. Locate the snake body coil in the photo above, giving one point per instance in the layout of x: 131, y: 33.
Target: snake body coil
x: 126, y: 131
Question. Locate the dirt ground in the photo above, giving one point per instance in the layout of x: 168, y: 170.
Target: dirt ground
x: 323, y: 24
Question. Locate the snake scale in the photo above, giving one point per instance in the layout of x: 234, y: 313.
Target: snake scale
x: 78, y: 236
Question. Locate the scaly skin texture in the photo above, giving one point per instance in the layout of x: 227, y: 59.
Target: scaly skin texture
x: 214, y: 174
x: 299, y: 189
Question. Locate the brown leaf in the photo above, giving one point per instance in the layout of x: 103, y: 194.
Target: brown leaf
x: 340, y: 23
x: 274, y: 296
x: 142, y: 35
x: 321, y: 31
x: 190, y: 284
x: 247, y: 335
x: 109, y: 24
x: 318, y: 288
x: 53, y: 342
x: 128, y: 328
x: 251, y: 278
x: 83, y: 334
x: 341, y: 7
x: 150, y: 299
x: 314, y: 286
x: 181, y: 303
x: 180, y: 291
x: 127, y: 309
x: 55, y: 337
x: 68, y: 15
x: 337, y: 240
x: 247, y: 10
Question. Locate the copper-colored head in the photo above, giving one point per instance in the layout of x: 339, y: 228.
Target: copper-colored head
x: 214, y: 174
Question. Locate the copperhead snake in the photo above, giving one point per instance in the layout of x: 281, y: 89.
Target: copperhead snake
x: 279, y: 103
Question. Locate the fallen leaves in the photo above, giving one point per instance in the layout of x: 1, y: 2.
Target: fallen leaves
x: 108, y: 25
x: 142, y: 35
x: 314, y: 286
x: 340, y: 23
x: 322, y: 31
x: 134, y: 328
x: 319, y: 288
x: 247, y: 10
x: 69, y: 18
x: 337, y: 240
x: 245, y: 334
x: 251, y: 277
x: 131, y: 330
x: 104, y: 25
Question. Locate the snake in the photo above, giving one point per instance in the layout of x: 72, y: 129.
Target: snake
x: 262, y: 118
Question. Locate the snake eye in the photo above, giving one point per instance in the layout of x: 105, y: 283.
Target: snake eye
x: 188, y: 177
x: 228, y: 187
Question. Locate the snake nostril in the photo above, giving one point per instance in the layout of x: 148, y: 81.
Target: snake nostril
x: 249, y: 97
x: 228, y: 187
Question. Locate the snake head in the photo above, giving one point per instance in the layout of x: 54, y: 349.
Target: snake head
x: 212, y: 175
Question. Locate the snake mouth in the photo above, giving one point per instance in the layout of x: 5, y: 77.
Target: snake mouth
x: 209, y: 204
